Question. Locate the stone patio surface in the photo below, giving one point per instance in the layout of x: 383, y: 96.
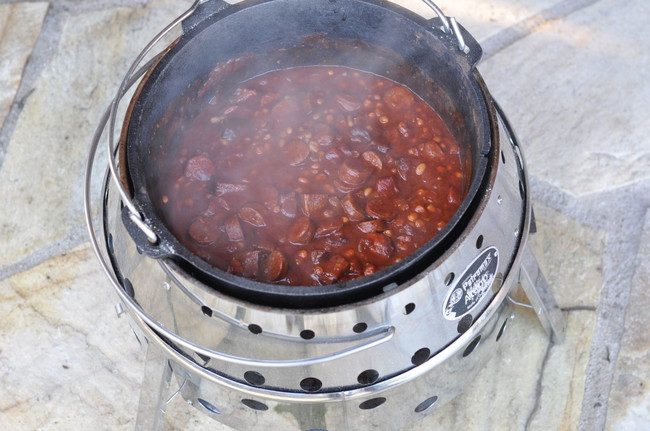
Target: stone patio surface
x: 572, y: 76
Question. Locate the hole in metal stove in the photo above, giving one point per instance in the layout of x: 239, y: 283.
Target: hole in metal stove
x: 426, y: 404
x: 449, y: 278
x: 471, y: 346
x: 206, y: 310
x: 421, y: 356
x: 208, y: 406
x: 367, y: 377
x: 128, y: 288
x: 372, y: 403
x: 307, y: 334
x: 502, y: 329
x: 254, y: 378
x: 465, y: 323
x: 311, y: 384
x: 255, y: 405
x: 360, y: 327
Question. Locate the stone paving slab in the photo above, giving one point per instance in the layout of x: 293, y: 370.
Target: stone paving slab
x: 578, y: 88
x: 21, y: 24
x: 574, y: 89
x: 482, y: 18
x: 66, y: 362
x: 43, y: 167
x: 629, y: 401
x: 571, y: 256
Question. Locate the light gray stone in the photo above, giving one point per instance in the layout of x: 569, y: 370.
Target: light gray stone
x: 570, y: 256
x: 481, y: 18
x: 43, y: 168
x: 562, y: 381
x: 629, y: 400
x: 21, y: 24
x: 66, y: 361
x: 576, y: 90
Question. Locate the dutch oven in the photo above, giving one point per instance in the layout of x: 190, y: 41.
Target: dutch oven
x: 373, y: 36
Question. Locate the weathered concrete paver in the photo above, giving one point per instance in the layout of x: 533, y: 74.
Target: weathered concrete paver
x: 482, y: 18
x: 578, y: 88
x: 562, y: 246
x: 21, y: 25
x: 629, y: 401
x: 66, y: 362
x: 43, y: 168
x: 574, y: 89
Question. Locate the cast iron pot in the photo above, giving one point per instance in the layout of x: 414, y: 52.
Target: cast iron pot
x: 368, y: 35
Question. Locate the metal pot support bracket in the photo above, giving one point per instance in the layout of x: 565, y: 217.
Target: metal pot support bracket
x: 381, y: 363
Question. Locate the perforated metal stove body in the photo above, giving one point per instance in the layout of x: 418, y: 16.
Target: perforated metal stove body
x: 379, y: 363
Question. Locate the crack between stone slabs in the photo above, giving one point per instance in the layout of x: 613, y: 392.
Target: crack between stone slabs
x: 506, y: 37
x: 538, y: 387
x: 41, y: 54
x: 99, y: 354
x: 620, y: 263
x: 596, y: 209
x: 620, y: 213
x: 547, y: 354
x: 78, y: 235
x: 579, y: 308
x: 44, y: 50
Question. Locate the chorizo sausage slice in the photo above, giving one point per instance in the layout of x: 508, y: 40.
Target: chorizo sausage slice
x: 376, y: 248
x: 352, y: 208
x: 314, y: 204
x: 289, y: 204
x: 333, y: 269
x: 354, y: 171
x: 274, y: 266
x: 381, y: 208
x: 204, y: 231
x: 252, y: 214
x: 329, y: 227
x: 296, y: 152
x: 301, y: 231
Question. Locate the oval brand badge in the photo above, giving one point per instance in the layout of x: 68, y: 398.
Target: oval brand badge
x: 473, y: 285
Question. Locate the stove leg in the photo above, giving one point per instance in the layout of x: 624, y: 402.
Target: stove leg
x: 541, y: 298
x: 155, y: 387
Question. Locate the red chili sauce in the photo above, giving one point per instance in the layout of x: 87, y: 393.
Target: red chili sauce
x: 311, y: 175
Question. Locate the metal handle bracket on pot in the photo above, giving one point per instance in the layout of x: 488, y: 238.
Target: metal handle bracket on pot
x: 449, y: 26
x: 202, y: 12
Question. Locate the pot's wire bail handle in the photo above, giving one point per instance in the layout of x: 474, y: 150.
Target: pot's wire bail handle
x: 134, y: 214
x: 449, y: 26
